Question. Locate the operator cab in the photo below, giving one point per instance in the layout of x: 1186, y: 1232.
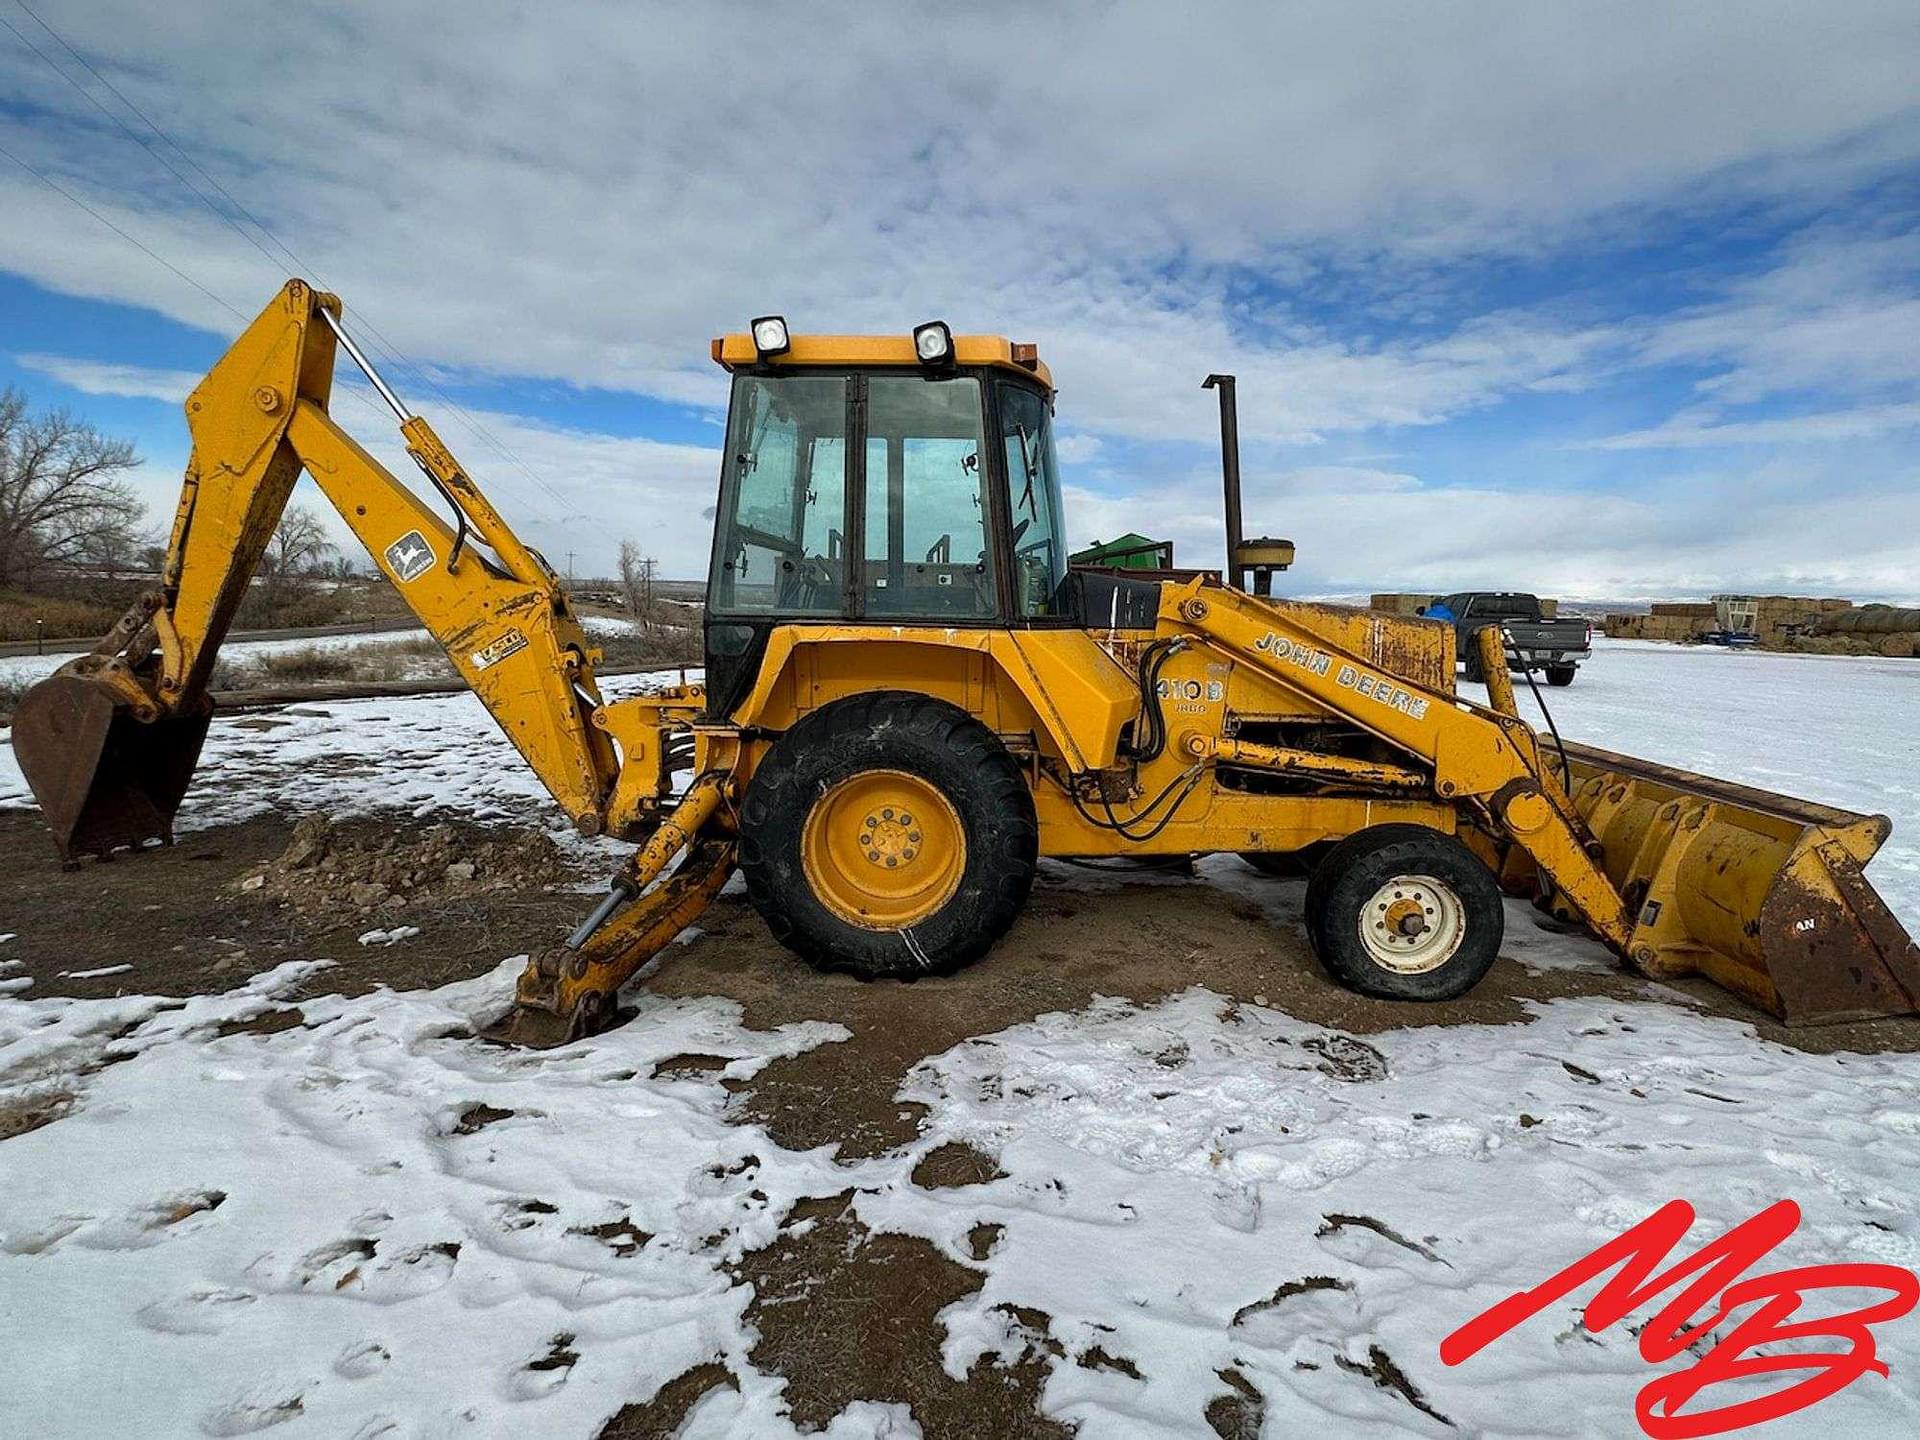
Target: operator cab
x: 885, y: 478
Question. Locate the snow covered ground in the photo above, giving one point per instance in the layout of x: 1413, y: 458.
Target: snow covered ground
x: 1835, y: 728
x: 299, y: 1232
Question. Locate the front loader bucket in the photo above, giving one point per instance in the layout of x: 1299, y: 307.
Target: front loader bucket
x: 1760, y: 892
x: 104, y: 779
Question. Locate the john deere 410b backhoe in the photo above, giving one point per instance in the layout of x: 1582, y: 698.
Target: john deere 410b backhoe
x: 909, y: 699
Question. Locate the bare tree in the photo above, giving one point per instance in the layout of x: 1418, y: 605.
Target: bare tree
x: 636, y: 584
x: 299, y: 547
x: 62, y: 499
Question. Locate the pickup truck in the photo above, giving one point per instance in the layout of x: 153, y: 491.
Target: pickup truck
x: 1555, y: 646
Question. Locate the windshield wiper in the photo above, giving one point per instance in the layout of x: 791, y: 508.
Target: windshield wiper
x: 1032, y: 467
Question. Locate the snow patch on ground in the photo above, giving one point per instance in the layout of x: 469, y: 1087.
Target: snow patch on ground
x: 426, y: 756
x: 372, y: 1219
x: 390, y: 937
x: 370, y: 1223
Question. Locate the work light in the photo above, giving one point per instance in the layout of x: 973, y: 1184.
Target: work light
x: 933, y: 343
x: 770, y: 336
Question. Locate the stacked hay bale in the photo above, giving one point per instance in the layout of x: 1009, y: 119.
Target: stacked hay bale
x: 1870, y: 630
x: 1809, y: 623
x: 1671, y: 620
x: 1779, y: 617
x: 1401, y: 604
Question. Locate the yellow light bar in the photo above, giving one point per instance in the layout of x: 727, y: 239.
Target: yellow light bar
x: 738, y: 352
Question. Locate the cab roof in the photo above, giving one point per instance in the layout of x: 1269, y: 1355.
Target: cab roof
x: 736, y: 352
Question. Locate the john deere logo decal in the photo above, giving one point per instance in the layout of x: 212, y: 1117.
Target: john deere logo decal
x: 409, y: 556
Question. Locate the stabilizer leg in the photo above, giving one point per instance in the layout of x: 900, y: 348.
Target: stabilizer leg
x: 568, y: 991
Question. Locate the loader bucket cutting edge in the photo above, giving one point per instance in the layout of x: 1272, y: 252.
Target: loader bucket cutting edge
x: 103, y: 778
x: 1760, y: 892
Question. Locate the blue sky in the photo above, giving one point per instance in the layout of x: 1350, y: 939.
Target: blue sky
x: 1606, y: 301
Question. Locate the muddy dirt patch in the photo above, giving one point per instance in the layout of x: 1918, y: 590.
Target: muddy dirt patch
x: 21, y: 1113
x: 846, y: 1313
x: 327, y: 869
x: 954, y: 1166
x: 174, y: 920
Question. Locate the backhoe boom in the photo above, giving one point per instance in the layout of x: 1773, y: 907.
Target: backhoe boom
x: 258, y: 420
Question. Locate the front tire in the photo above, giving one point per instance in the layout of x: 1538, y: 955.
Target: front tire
x: 888, y: 835
x: 1470, y: 660
x: 1402, y: 912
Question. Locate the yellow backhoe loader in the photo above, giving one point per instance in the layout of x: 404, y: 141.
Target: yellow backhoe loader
x: 909, y: 699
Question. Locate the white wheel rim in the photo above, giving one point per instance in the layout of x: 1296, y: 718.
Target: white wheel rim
x: 1412, y: 924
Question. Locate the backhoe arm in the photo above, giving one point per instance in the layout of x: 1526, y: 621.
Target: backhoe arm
x: 259, y: 419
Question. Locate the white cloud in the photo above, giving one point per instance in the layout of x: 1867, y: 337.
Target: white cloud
x: 1077, y: 448
x: 99, y: 377
x: 623, y: 191
x: 587, y: 194
x: 1784, y: 528
x: 1692, y: 431
x: 581, y: 491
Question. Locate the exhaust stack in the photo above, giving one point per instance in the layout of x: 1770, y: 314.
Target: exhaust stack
x: 1265, y: 555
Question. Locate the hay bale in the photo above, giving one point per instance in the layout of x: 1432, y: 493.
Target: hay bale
x: 1400, y: 604
x: 1901, y: 646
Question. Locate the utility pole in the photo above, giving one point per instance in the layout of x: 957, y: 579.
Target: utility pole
x: 569, y: 569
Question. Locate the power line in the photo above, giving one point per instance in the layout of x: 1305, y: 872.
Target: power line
x: 390, y: 352
x: 126, y: 129
x: 151, y: 254
x: 352, y: 394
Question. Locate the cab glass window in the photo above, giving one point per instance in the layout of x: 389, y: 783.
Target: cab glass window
x: 926, y: 517
x: 1033, y: 502
x: 778, y: 535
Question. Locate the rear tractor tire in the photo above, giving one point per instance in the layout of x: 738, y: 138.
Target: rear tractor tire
x: 1402, y: 912
x: 890, y: 836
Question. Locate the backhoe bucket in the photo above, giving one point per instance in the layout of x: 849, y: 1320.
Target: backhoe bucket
x: 1760, y: 892
x: 104, y: 779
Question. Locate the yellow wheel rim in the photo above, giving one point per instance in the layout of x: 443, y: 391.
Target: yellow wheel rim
x: 883, y: 850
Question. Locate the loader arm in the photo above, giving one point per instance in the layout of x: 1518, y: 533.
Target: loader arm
x: 1476, y: 756
x: 1678, y: 873
x: 258, y: 420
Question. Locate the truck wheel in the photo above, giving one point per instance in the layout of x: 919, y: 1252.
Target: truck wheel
x: 1560, y: 674
x: 889, y: 836
x: 1470, y: 661
x: 1405, y: 913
